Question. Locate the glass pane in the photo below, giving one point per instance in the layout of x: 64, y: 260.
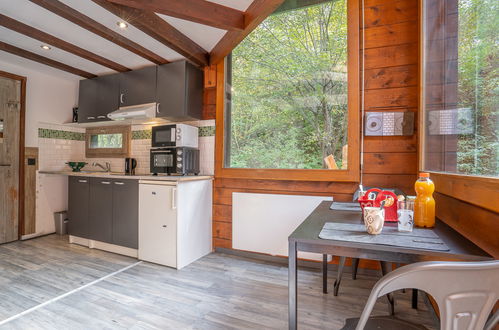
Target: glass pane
x: 286, y: 93
x: 462, y: 86
x: 98, y: 141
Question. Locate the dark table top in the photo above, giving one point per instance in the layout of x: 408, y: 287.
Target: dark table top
x: 307, y: 238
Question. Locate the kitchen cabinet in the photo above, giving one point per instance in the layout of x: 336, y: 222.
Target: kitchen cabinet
x: 104, y: 210
x: 125, y: 213
x: 98, y: 97
x: 179, y: 91
x: 137, y: 86
x: 100, y: 210
x: 78, y: 199
x: 174, y: 221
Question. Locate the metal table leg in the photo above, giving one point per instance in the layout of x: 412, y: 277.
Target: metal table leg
x: 415, y: 298
x: 341, y: 265
x: 292, y: 286
x: 324, y: 273
x: 355, y: 267
x: 391, y: 301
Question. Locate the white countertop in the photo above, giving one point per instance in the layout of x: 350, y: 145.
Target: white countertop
x: 114, y: 175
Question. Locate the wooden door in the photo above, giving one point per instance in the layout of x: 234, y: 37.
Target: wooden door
x: 10, y: 112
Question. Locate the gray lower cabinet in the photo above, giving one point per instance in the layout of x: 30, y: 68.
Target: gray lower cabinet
x: 125, y: 213
x: 100, y: 210
x: 104, y: 210
x: 78, y: 206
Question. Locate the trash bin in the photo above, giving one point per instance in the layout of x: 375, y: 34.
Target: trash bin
x: 61, y: 222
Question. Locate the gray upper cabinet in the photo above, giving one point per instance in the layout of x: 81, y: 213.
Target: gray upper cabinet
x: 98, y: 97
x: 126, y: 213
x: 86, y: 100
x: 100, y: 213
x: 78, y: 206
x: 177, y: 87
x: 179, y: 91
x: 137, y: 86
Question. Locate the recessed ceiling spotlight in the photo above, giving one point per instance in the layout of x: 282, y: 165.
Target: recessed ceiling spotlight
x: 122, y: 25
x: 45, y: 47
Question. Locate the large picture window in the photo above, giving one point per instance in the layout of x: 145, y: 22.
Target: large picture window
x: 287, y: 91
x: 461, y: 86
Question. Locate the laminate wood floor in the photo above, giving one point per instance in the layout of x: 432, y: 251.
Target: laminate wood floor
x: 218, y: 291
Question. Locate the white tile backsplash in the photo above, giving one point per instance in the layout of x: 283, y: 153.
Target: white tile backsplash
x: 54, y: 153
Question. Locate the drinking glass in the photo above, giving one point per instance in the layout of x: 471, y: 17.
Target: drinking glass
x: 405, y: 215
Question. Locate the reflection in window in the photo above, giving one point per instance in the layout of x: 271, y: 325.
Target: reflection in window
x: 286, y: 90
x: 461, y: 96
x: 103, y: 141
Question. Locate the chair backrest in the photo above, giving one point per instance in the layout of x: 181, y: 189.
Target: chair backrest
x: 464, y: 291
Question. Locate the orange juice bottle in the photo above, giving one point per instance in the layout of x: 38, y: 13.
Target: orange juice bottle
x: 424, y: 205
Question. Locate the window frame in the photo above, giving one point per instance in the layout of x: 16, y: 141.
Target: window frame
x: 352, y: 173
x: 122, y: 152
x: 456, y: 185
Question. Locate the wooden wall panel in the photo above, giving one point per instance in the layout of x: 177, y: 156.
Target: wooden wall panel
x: 30, y: 168
x: 391, y: 60
x: 476, y: 223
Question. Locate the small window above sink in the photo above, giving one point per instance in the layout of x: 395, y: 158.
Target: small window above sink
x: 107, y: 142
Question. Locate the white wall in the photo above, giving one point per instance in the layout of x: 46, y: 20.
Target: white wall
x: 50, y: 94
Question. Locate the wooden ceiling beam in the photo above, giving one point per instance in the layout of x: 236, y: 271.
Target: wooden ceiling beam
x: 31, y: 32
x: 256, y: 13
x: 44, y: 60
x: 91, y: 25
x: 159, y: 29
x: 199, y: 11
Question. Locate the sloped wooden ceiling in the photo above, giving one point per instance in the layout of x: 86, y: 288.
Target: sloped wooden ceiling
x: 85, y: 40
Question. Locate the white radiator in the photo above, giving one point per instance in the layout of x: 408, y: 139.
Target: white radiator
x: 263, y: 222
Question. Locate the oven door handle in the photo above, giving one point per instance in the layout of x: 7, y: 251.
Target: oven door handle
x: 160, y: 151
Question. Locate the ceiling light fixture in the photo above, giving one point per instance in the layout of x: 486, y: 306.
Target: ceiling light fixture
x: 45, y: 47
x: 122, y: 25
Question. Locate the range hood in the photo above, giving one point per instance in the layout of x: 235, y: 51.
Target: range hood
x: 132, y: 112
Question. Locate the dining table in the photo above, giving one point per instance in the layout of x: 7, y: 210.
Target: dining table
x: 450, y: 245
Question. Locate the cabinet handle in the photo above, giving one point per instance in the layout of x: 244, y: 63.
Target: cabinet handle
x: 174, y: 199
x: 83, y: 181
x: 157, y: 107
x: 105, y: 182
x: 90, y: 117
x: 121, y: 97
x: 119, y: 183
x: 101, y: 117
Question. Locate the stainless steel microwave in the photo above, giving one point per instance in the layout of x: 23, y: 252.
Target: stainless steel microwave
x: 179, y: 161
x: 175, y: 135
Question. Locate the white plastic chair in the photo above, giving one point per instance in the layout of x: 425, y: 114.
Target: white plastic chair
x: 464, y: 291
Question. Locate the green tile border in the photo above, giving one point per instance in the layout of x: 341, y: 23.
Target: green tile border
x: 47, y: 133
x: 204, y: 131
x: 142, y: 135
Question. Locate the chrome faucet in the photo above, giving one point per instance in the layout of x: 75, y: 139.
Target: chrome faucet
x: 106, y: 169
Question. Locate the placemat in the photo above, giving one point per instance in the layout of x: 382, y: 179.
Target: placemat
x: 419, y: 238
x: 343, y: 206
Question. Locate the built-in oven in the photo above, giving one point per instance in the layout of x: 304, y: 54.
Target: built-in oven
x: 175, y: 135
x: 178, y: 161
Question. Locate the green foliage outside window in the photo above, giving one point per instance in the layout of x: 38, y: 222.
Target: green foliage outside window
x: 287, y: 90
x: 113, y: 141
x: 478, y: 85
